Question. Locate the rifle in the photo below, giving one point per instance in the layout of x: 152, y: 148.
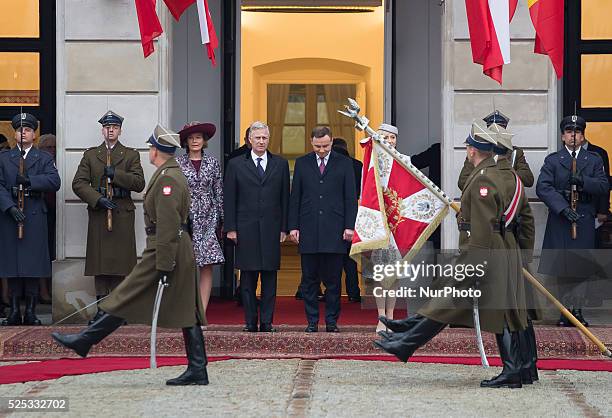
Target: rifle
x: 109, y: 187
x: 21, y: 189
x: 574, y: 188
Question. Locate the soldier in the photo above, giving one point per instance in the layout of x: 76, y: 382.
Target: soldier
x: 485, y: 223
x: 25, y: 260
x: 111, y: 252
x: 564, y: 255
x: 168, y: 256
x: 516, y: 156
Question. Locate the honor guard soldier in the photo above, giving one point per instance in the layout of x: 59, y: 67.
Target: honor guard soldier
x: 489, y: 204
x: 104, y: 180
x: 516, y: 156
x: 25, y: 174
x: 570, y: 183
x: 168, y: 258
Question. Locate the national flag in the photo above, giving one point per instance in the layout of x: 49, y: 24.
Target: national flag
x: 149, y: 25
x: 489, y: 25
x: 548, y: 17
x: 412, y: 210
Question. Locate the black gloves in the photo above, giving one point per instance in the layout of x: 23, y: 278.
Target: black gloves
x: 25, y: 180
x: 17, y: 215
x: 576, y: 179
x: 164, y: 276
x: 105, y: 203
x: 109, y: 171
x: 570, y: 214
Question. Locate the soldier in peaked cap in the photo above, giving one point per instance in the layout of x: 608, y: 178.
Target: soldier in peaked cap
x: 482, y: 241
x: 25, y: 260
x: 111, y: 255
x: 168, y: 254
x: 516, y: 156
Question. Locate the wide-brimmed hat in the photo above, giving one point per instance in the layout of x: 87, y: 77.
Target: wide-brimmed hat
x: 206, y: 129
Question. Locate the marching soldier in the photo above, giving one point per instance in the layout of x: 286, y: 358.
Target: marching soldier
x: 168, y: 256
x: 111, y: 248
x: 516, y: 156
x: 564, y: 255
x: 25, y: 259
x: 489, y: 204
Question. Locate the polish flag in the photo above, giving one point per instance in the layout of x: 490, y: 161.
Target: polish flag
x: 489, y: 25
x: 149, y: 25
x: 548, y: 17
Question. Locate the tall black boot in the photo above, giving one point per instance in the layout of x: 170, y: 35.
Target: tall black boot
x: 405, y: 344
x: 526, y: 360
x: 196, y: 373
x: 400, y: 325
x: 99, y: 312
x: 14, y: 316
x: 510, y: 353
x: 533, y: 348
x: 81, y: 343
x: 29, y: 317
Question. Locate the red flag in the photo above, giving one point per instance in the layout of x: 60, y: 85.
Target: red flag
x: 548, y: 20
x: 212, y: 42
x: 150, y: 28
x: 489, y: 25
x: 178, y: 7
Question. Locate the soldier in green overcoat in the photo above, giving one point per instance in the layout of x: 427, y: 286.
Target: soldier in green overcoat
x: 486, y: 229
x: 169, y: 256
x: 111, y: 248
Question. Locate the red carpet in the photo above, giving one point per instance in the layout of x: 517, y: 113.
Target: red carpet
x: 54, y: 369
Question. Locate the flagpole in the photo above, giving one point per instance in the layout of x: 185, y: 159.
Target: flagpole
x: 363, y: 124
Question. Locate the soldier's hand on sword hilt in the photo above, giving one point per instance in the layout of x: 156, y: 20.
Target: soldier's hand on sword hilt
x: 105, y: 203
x: 17, y: 214
x: 164, y: 276
x: 570, y: 214
x: 109, y: 171
x: 24, y: 180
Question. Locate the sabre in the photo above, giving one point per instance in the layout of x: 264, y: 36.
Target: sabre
x: 163, y: 283
x: 81, y: 310
x: 362, y: 124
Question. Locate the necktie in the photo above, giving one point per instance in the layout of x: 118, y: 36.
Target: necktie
x: 322, y: 165
x: 260, y: 168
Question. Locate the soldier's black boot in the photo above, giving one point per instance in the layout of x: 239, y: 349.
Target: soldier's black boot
x: 403, y: 345
x: 400, y: 325
x: 81, y: 343
x: 526, y: 359
x: 14, y: 316
x: 533, y: 348
x: 29, y: 317
x: 578, y: 314
x: 510, y: 353
x: 196, y: 373
x: 99, y: 312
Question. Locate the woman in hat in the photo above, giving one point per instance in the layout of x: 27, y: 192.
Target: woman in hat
x: 203, y: 174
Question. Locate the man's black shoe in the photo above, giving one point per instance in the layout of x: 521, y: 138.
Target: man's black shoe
x: 387, y: 335
x: 578, y: 314
x: 331, y: 328
x: 564, y: 322
x: 250, y: 328
x: 312, y: 327
x: 266, y: 328
x: 354, y: 299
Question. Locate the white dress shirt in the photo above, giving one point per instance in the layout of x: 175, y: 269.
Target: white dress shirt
x: 264, y: 159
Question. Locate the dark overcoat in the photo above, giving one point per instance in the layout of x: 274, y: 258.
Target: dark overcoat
x: 27, y: 257
x: 114, y: 252
x: 562, y: 255
x: 257, y: 209
x: 166, y: 207
x: 488, y: 193
x: 322, y: 206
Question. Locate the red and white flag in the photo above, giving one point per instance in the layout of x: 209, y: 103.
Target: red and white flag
x: 149, y: 25
x: 398, y: 211
x: 489, y: 25
x: 548, y: 17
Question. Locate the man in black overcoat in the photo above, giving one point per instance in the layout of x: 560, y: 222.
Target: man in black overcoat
x: 322, y: 212
x: 256, y: 208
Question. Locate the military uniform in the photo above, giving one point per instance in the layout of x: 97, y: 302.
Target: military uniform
x: 24, y: 261
x: 168, y: 257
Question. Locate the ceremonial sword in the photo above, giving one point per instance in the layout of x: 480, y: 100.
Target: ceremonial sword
x: 163, y: 283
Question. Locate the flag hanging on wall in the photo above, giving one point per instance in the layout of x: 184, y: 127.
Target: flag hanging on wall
x: 489, y: 25
x: 150, y: 28
x: 548, y: 20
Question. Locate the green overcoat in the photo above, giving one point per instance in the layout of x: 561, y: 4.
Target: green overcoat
x: 169, y: 248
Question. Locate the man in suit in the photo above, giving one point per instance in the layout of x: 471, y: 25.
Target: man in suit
x: 322, y: 212
x: 564, y: 255
x: 256, y: 208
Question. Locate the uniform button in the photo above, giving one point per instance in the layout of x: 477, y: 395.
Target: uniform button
x: 320, y: 181
x: 320, y: 196
x: 320, y: 212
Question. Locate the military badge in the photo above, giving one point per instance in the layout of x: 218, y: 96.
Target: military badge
x: 167, y: 190
x: 484, y: 191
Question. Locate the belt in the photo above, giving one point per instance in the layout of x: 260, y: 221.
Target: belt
x: 466, y: 226
x: 118, y: 192
x: 151, y: 230
x: 27, y: 192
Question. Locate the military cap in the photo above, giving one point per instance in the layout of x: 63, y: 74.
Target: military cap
x: 24, y: 119
x: 498, y: 118
x: 503, y: 138
x: 388, y: 128
x: 111, y: 118
x: 569, y: 121
x: 481, y: 138
x: 164, y: 140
